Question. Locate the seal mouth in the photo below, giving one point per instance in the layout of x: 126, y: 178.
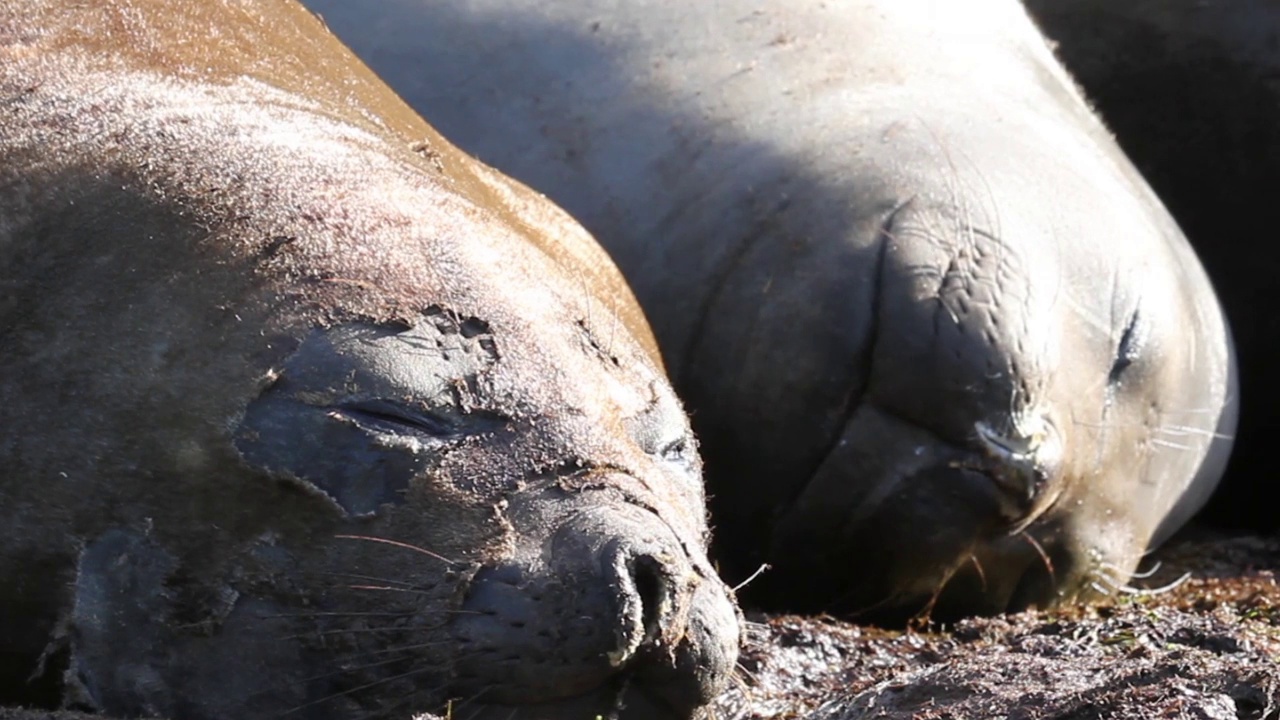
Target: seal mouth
x: 921, y: 508
x: 1022, y: 465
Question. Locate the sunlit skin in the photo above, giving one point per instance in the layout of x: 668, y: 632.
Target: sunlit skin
x: 944, y: 349
x: 308, y: 414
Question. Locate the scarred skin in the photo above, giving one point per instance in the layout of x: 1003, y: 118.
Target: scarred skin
x: 943, y: 347
x: 304, y: 412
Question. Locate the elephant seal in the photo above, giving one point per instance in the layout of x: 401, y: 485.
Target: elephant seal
x: 1189, y: 89
x: 943, y: 347
x: 306, y: 413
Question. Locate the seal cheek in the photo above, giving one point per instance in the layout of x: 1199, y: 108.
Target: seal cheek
x: 144, y: 638
x: 119, y: 584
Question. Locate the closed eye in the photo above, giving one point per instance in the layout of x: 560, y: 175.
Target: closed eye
x: 676, y: 450
x: 1127, y: 352
x: 384, y: 416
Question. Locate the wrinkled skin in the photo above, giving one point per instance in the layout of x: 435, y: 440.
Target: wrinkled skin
x: 305, y: 412
x: 943, y: 347
x: 1189, y: 89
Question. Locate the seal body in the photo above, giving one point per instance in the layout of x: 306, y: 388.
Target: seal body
x: 1188, y: 87
x: 307, y: 413
x: 943, y: 346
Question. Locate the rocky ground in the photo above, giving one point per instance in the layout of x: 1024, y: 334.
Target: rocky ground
x: 1207, y: 649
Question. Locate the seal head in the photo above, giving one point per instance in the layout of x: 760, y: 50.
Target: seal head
x: 308, y: 413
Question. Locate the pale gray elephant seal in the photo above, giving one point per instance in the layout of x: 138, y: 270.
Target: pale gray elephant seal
x: 306, y: 414
x: 940, y: 341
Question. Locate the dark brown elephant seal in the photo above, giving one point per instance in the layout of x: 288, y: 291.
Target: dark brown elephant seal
x: 1189, y: 87
x: 305, y: 413
x: 940, y: 340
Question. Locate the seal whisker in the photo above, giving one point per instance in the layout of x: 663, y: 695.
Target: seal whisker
x: 338, y: 613
x: 832, y: 608
x: 1110, y: 585
x: 357, y: 668
x: 1192, y: 411
x: 439, y: 666
x: 764, y: 567
x: 382, y: 588
x: 1139, y: 575
x: 614, y: 321
x: 397, y: 543
x: 370, y: 578
x: 1165, y: 429
x: 923, y: 615
x: 1148, y: 592
x: 1193, y: 432
x: 454, y: 708
x: 358, y: 688
x: 389, y: 629
x: 403, y: 648
x: 1044, y: 556
x: 753, y: 632
x: 386, y: 712
x: 754, y: 636
x: 1171, y: 445
x: 982, y: 574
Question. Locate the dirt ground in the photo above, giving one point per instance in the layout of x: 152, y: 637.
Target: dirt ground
x: 1207, y: 649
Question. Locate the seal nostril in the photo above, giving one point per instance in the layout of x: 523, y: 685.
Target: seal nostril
x: 648, y: 577
x: 692, y: 638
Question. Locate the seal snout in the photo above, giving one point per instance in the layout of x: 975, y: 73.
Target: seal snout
x: 1024, y: 463
x: 611, y: 605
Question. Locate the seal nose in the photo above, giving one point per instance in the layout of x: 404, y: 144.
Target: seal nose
x: 611, y: 603
x: 683, y: 636
x: 1023, y: 464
